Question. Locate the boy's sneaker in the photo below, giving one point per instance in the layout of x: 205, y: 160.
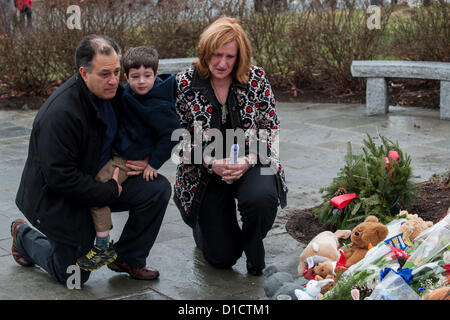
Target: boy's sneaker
x: 96, y: 258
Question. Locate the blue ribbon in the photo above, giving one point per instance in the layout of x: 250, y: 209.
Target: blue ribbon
x: 405, y: 273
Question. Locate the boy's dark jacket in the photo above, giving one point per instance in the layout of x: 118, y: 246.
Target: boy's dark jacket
x: 147, y: 122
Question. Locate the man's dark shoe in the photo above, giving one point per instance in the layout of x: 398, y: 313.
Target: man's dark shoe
x: 16, y: 255
x: 135, y: 273
x: 96, y: 258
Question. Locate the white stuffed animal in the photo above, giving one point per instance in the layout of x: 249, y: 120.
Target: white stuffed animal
x: 312, y: 290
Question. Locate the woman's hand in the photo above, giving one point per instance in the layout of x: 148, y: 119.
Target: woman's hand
x: 219, y: 166
x: 150, y: 173
x: 137, y: 166
x: 234, y: 172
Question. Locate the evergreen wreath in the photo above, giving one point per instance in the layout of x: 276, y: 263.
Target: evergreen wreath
x: 383, y: 185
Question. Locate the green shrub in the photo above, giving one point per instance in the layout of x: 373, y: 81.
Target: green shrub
x: 313, y: 47
x: 422, y: 34
x: 325, y: 42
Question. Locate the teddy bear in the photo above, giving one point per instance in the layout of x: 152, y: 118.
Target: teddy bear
x: 414, y: 225
x: 323, y: 247
x: 442, y: 293
x: 364, y: 236
x: 329, y: 270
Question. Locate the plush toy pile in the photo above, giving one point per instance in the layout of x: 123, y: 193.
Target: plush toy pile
x: 386, y: 256
x: 406, y: 259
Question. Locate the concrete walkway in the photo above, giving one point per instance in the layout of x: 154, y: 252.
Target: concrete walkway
x: 312, y: 147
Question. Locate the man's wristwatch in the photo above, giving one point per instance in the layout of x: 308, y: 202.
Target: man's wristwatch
x: 209, y: 167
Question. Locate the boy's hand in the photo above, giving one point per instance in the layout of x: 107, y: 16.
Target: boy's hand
x: 150, y: 173
x: 116, y: 178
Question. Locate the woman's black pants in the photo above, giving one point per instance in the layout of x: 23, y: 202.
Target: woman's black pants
x: 218, y: 233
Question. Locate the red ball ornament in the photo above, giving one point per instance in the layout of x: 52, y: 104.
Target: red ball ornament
x: 394, y: 155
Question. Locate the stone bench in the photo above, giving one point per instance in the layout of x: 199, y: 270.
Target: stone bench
x: 174, y: 65
x: 376, y: 72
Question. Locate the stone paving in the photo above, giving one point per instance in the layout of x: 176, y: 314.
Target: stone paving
x: 312, y: 147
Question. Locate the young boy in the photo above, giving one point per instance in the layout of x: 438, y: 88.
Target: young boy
x: 144, y: 132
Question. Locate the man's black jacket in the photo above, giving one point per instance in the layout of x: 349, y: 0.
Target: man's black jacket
x: 58, y: 183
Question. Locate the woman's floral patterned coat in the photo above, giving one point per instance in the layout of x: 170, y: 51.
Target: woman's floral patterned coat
x: 251, y: 107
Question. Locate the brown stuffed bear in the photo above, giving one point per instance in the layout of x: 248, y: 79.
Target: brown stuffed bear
x: 328, y: 270
x: 439, y: 294
x: 368, y: 233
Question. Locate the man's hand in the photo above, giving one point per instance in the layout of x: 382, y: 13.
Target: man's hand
x: 116, y: 177
x: 137, y: 166
x: 150, y: 173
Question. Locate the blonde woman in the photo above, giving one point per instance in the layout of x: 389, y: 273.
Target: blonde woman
x: 223, y: 91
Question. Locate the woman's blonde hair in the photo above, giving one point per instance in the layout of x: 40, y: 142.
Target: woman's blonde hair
x: 220, y: 32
